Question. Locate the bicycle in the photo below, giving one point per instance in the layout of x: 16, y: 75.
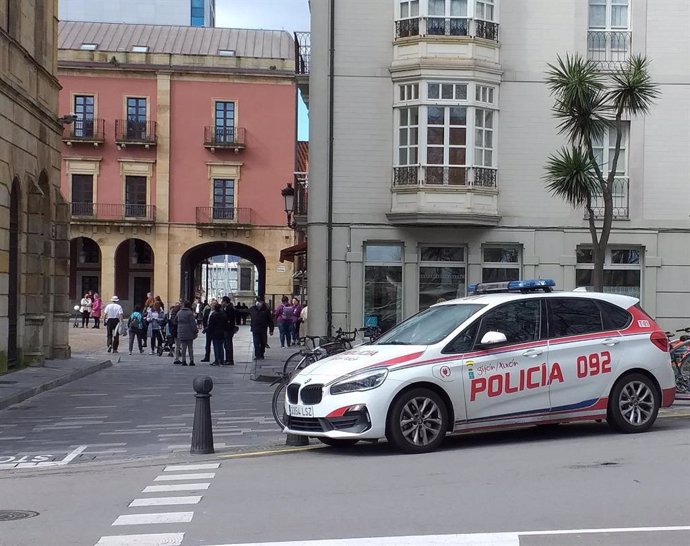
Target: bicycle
x: 322, y: 347
x: 680, y: 360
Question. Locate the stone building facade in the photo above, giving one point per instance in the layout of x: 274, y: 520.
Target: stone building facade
x: 34, y: 247
x: 441, y: 126
x: 183, y: 141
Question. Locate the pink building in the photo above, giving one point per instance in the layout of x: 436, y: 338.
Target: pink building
x: 182, y: 141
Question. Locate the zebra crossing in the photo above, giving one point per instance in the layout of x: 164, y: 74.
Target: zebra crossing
x: 181, y: 478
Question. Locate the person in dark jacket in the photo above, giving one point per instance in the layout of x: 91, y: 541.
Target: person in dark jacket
x: 215, y: 329
x: 229, y: 311
x: 185, y: 323
x: 261, y: 321
x: 204, y: 322
x: 173, y: 331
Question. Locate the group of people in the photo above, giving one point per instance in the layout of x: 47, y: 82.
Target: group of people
x: 174, y: 331
x: 90, y: 308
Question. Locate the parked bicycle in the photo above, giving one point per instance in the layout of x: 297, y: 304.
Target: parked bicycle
x: 313, y: 348
x: 680, y: 359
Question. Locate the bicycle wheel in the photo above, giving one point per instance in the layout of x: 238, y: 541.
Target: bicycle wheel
x: 295, y: 363
x: 278, y: 404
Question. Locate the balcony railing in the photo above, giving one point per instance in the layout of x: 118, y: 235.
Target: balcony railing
x: 432, y: 175
x: 446, y: 26
x: 113, y: 212
x: 621, y: 201
x: 223, y: 215
x: 302, y: 52
x: 133, y: 132
x: 608, y: 49
x: 301, y: 197
x: 224, y: 138
x: 90, y: 131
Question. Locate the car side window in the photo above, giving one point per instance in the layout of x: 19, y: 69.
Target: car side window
x: 464, y: 341
x: 615, y: 318
x: 573, y: 317
x: 519, y: 321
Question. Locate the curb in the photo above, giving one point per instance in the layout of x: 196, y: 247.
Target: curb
x: 53, y: 383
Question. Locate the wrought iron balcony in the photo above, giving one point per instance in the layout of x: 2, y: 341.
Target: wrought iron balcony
x: 302, y: 52
x: 446, y: 26
x: 134, y: 132
x: 609, y: 49
x: 621, y: 201
x: 90, y: 131
x: 105, y: 212
x: 224, y: 138
x: 432, y: 175
x: 211, y: 216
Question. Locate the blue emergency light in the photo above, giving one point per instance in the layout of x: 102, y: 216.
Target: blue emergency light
x: 530, y: 285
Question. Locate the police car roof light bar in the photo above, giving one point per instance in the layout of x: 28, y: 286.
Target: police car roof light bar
x: 530, y: 285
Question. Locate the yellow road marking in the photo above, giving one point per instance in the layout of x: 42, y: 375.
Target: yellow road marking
x: 269, y: 452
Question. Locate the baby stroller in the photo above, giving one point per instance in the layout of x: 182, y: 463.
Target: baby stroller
x: 168, y: 340
x: 77, y: 317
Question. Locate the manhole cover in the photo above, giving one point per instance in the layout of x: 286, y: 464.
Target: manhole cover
x: 11, y: 515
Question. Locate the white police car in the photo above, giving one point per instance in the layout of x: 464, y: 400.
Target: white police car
x: 513, y: 354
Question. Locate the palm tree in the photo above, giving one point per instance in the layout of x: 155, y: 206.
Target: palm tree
x: 587, y: 102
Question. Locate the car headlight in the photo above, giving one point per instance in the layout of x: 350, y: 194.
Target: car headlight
x: 362, y: 382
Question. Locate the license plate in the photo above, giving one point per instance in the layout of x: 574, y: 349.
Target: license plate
x: 300, y: 411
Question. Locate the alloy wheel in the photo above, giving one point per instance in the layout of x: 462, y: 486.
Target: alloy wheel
x: 636, y: 403
x: 421, y: 421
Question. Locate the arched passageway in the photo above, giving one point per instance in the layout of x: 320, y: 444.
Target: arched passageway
x: 134, y: 262
x: 85, y: 267
x: 192, y: 260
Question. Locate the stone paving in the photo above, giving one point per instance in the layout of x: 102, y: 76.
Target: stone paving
x: 141, y: 406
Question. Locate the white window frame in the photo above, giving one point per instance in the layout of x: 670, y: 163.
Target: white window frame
x: 492, y: 4
x: 368, y: 262
x: 610, y: 266
x: 609, y: 5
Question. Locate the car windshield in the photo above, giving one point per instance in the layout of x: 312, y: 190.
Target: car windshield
x: 429, y: 326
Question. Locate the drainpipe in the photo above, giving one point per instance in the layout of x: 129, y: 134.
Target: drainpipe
x: 331, y: 85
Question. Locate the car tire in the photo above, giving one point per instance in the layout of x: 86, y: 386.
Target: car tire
x: 417, y: 421
x: 633, y: 404
x: 338, y: 442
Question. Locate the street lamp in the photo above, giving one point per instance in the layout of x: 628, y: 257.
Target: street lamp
x: 288, y: 193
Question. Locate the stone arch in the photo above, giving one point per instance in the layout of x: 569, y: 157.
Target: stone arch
x: 85, y: 267
x: 192, y: 259
x: 134, y: 266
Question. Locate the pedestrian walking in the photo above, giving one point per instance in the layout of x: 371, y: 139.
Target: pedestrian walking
x: 85, y: 310
x: 230, y: 327
x: 284, y: 316
x: 245, y: 314
x: 295, y: 320
x: 113, y: 314
x: 261, y: 321
x: 135, y: 325
x: 215, y: 330
x: 186, y: 329
x: 204, y: 323
x: 96, y: 307
x: 172, y: 330
x: 154, y: 319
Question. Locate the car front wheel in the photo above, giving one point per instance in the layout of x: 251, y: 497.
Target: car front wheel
x: 417, y: 421
x: 634, y: 404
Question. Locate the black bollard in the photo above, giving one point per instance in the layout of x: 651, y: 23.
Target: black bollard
x: 202, y: 432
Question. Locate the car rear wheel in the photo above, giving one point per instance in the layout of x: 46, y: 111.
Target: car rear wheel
x: 338, y: 442
x: 417, y: 421
x: 634, y: 404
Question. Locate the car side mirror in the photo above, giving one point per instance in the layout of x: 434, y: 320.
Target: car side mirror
x: 493, y: 338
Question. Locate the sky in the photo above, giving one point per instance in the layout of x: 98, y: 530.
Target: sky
x: 290, y: 15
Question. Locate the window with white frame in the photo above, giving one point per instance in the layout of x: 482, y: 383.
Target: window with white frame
x: 501, y: 263
x: 485, y: 10
x: 609, y: 37
x: 622, y: 269
x: 604, y: 149
x: 442, y: 274
x: 450, y: 134
x: 383, y: 284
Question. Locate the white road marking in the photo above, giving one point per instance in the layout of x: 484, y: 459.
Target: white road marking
x: 153, y: 519
x: 175, y: 487
x: 166, y: 501
x: 471, y: 539
x: 184, y: 467
x: 179, y: 477
x: 161, y: 539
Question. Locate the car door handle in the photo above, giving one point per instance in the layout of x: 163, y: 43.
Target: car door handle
x: 532, y: 352
x: 610, y: 342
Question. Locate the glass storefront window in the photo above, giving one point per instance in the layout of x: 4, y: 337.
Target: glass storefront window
x: 501, y: 263
x: 442, y: 275
x: 622, y: 270
x: 383, y: 285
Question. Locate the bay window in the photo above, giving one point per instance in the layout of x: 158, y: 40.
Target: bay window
x: 446, y: 138
x: 474, y: 18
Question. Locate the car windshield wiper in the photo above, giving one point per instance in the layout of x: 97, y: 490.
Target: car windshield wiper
x: 395, y: 343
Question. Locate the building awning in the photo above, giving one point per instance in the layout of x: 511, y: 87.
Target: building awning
x: 289, y: 253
